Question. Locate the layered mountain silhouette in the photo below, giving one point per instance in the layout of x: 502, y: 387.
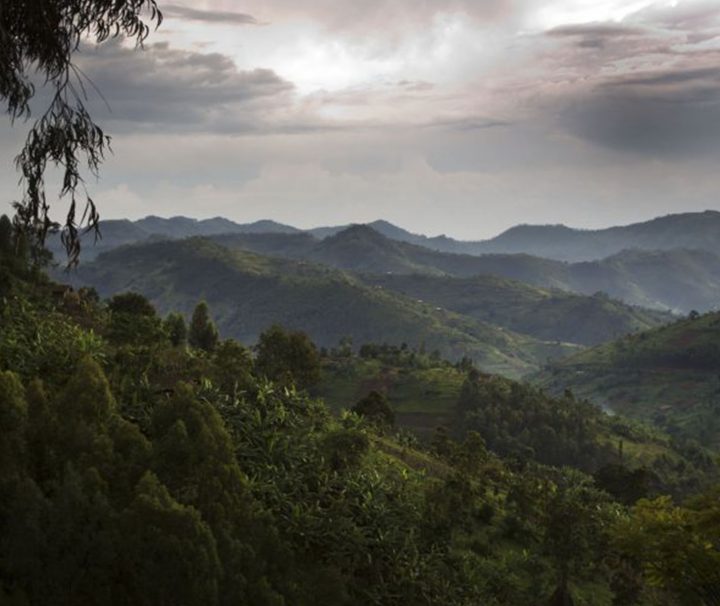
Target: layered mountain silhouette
x: 697, y: 231
x: 678, y: 279
x: 671, y: 263
x: 684, y: 230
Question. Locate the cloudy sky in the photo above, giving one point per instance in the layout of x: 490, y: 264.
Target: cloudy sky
x: 461, y: 117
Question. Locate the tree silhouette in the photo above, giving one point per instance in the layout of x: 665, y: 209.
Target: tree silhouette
x: 203, y: 333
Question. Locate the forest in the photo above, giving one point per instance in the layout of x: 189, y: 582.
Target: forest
x: 147, y: 460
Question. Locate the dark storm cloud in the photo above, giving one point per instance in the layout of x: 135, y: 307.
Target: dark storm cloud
x: 595, y: 35
x: 192, y: 14
x: 702, y: 76
x: 644, y: 86
x: 180, y: 90
x: 596, y: 30
x: 668, y: 112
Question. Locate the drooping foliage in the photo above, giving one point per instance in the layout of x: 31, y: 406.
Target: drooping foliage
x: 42, y: 37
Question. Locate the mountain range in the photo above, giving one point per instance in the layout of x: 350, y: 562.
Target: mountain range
x: 514, y: 314
x: 674, y: 280
x: 698, y: 230
x: 247, y: 293
x: 506, y: 326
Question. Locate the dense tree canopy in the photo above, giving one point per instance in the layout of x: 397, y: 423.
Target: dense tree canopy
x: 137, y: 471
x: 41, y: 37
x: 288, y: 356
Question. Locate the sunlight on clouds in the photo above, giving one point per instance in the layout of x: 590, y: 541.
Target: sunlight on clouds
x: 566, y: 12
x: 323, y: 61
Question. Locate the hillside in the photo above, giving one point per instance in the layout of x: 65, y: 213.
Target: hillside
x: 426, y: 394
x: 668, y: 376
x: 363, y: 249
x: 220, y: 483
x: 679, y: 280
x: 547, y: 314
x: 248, y: 292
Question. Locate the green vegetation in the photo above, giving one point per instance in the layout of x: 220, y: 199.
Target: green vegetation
x: 668, y: 376
x: 551, y: 315
x: 515, y: 420
x: 375, y: 408
x: 203, y: 333
x: 249, y: 292
x: 422, y: 393
x: 135, y: 469
x: 287, y: 357
x: 678, y: 279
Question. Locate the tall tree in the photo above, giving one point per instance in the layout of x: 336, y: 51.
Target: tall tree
x: 41, y: 37
x: 203, y: 332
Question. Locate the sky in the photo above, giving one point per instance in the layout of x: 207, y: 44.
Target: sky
x: 462, y: 117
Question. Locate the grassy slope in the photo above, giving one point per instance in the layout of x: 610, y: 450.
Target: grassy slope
x: 421, y: 398
x: 543, y: 313
x: 668, y: 375
x: 425, y: 398
x: 248, y: 292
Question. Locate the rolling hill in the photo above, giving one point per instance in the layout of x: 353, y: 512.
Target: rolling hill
x: 667, y: 375
x: 675, y: 279
x: 424, y: 397
x: 548, y: 314
x: 698, y: 230
x: 248, y: 292
x: 679, y: 280
x: 543, y: 313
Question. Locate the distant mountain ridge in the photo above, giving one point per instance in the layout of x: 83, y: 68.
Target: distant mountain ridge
x: 668, y: 277
x: 695, y: 230
x: 119, y: 232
